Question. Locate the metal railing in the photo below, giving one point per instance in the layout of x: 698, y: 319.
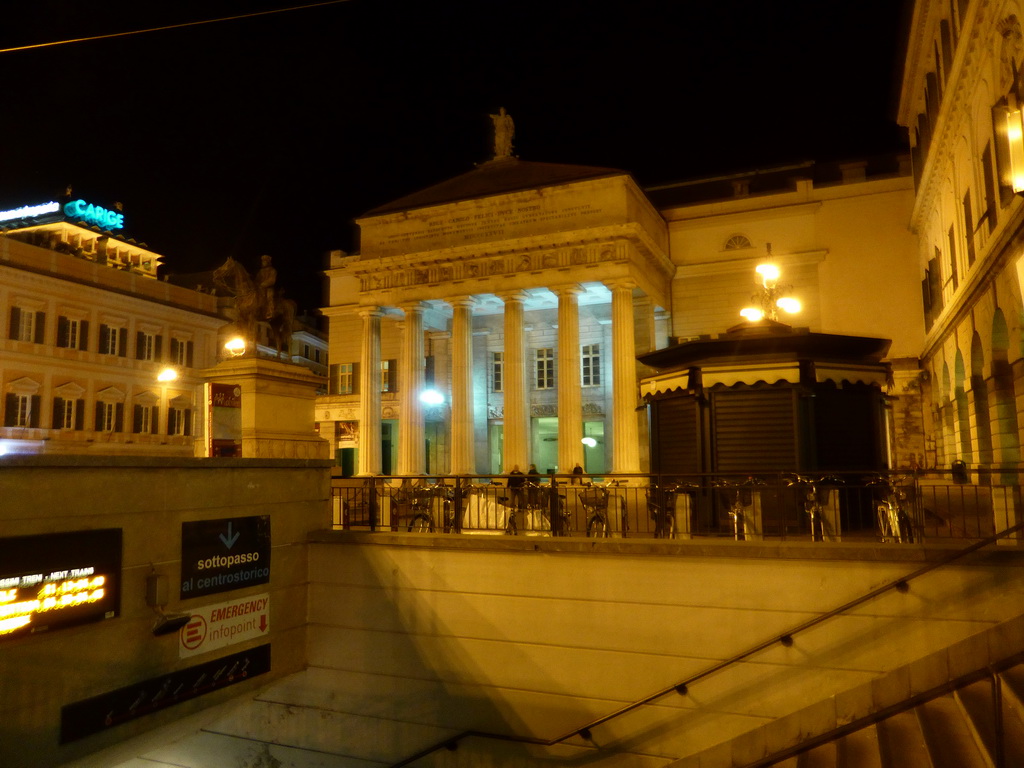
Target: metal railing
x: 892, y: 507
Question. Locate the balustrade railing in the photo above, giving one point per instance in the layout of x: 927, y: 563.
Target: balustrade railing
x: 894, y: 507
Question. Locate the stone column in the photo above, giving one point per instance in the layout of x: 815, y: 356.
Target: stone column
x: 570, y: 401
x: 369, y: 392
x: 517, y: 424
x: 462, y: 386
x: 625, y: 436
x: 411, y: 458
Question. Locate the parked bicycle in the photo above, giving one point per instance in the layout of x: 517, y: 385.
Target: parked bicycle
x: 815, y: 491
x: 595, y: 499
x: 423, y: 505
x: 893, y: 510
x: 661, y: 504
x: 741, y: 497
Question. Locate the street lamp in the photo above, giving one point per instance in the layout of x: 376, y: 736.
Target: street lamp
x: 771, y: 296
x: 235, y: 346
x: 167, y: 375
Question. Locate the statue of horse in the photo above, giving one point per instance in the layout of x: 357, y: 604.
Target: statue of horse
x: 251, y: 307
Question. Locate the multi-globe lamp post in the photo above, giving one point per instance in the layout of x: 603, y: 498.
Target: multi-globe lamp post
x: 771, y: 296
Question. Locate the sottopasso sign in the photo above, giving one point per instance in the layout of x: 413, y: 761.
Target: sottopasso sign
x: 224, y: 554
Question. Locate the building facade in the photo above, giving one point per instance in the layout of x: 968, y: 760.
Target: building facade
x: 960, y: 101
x: 87, y: 329
x: 484, y: 291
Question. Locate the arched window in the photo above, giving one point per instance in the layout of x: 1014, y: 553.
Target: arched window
x: 736, y: 242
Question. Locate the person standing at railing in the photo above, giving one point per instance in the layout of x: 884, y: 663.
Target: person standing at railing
x: 577, y: 474
x: 516, y: 481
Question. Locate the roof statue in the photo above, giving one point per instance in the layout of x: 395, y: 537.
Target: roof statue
x: 258, y: 300
x: 504, y: 131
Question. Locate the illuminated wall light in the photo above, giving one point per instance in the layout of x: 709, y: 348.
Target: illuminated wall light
x: 431, y: 397
x: 235, y: 346
x: 1015, y: 140
x: 788, y: 304
x: 589, y: 442
x: 751, y: 314
x: 768, y: 271
x: 167, y: 374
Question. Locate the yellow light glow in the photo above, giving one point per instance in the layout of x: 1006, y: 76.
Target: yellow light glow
x: 788, y: 304
x: 751, y: 314
x: 17, y: 622
x: 167, y: 374
x: 235, y: 346
x: 1015, y: 141
x: 768, y: 271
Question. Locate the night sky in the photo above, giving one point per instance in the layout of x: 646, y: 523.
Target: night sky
x: 272, y: 134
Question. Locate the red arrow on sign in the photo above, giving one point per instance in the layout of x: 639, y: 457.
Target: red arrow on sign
x: 263, y: 622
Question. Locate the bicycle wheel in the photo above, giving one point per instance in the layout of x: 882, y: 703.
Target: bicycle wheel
x: 597, y: 527
x: 421, y: 524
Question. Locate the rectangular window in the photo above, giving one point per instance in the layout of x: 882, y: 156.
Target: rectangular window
x: 346, y: 378
x: 545, y: 368
x: 179, y: 421
x: 990, y: 187
x: 969, y: 228
x: 64, y: 412
x: 22, y: 411
x: 181, y: 353
x: 71, y: 333
x: 951, y: 236
x: 497, y: 371
x: 27, y: 325
x: 106, y: 417
x: 590, y: 365
x: 113, y: 340
x: 386, y: 384
x: 145, y: 346
x: 144, y: 419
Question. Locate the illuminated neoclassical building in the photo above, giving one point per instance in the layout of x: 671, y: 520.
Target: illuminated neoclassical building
x: 488, y: 288
x: 519, y: 295
x: 86, y: 329
x: 960, y: 100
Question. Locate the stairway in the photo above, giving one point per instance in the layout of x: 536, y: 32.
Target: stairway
x: 974, y: 722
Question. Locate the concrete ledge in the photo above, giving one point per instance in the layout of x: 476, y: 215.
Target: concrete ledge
x: 46, y: 461
x: 931, y: 552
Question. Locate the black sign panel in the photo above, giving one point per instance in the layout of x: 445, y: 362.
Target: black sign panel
x: 58, y: 580
x: 221, y: 555
x: 84, y: 718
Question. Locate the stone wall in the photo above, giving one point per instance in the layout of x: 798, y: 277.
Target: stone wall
x: 431, y: 634
x: 148, y: 499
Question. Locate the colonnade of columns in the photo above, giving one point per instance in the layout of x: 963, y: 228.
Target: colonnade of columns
x: 411, y: 456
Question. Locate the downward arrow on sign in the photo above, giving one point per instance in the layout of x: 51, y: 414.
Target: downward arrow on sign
x: 230, y: 540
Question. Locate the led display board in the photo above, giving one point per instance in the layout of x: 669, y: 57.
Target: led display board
x: 57, y: 580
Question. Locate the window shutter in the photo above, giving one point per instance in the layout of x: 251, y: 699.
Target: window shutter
x: 158, y: 344
x: 140, y: 341
x: 188, y: 354
x: 40, y: 328
x: 170, y: 421
x: 136, y: 419
x: 355, y: 378
x: 99, y: 417
x: 105, y: 339
x: 174, y: 350
x: 119, y: 417
x: 58, y: 412
x: 122, y: 342
x: 333, y: 387
x: 15, y: 324
x: 79, y: 414
x: 188, y: 420
x: 10, y: 409
x: 62, y: 331
x: 155, y: 421
x: 83, y: 334
x: 34, y: 408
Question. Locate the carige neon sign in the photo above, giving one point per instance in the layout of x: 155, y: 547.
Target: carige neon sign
x: 79, y: 210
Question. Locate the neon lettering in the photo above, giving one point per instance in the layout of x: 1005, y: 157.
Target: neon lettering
x: 83, y: 211
x: 28, y: 211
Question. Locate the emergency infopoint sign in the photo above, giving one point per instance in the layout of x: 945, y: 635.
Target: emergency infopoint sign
x: 216, y: 626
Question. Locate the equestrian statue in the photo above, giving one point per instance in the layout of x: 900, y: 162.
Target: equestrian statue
x: 258, y: 301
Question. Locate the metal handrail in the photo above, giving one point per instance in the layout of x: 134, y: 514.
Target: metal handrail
x: 786, y: 639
